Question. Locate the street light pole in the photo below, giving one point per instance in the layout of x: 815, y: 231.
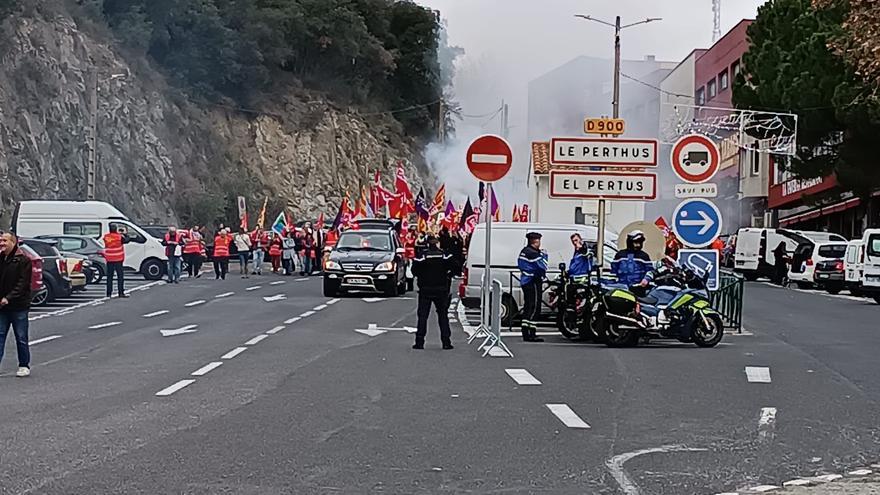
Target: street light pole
x: 92, y: 166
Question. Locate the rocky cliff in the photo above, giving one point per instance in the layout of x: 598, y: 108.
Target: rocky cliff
x: 162, y: 154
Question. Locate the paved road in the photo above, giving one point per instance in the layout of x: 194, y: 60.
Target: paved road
x: 278, y: 389
x: 92, y: 294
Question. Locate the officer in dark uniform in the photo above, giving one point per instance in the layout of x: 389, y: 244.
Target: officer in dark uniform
x: 532, y: 263
x: 433, y: 270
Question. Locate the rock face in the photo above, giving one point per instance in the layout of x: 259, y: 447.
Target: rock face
x: 162, y: 155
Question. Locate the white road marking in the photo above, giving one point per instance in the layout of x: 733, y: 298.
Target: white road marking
x: 174, y: 388
x: 373, y: 299
x: 410, y: 329
x: 522, y: 377
x: 204, y: 370
x: 767, y: 421
x: 827, y: 478
x: 798, y: 482
x: 370, y: 332
x: 44, y: 339
x: 235, y: 352
x: 628, y: 486
x: 256, y: 340
x: 105, y: 325
x: 194, y: 303
x: 567, y: 416
x: 498, y: 352
x: 277, y: 282
x: 757, y: 374
x: 763, y: 488
x: 301, y: 280
x: 320, y: 307
x: 307, y: 314
x: 293, y: 320
x: 276, y: 297
x: 179, y: 331
x: 860, y: 472
x: 156, y: 313
x: 332, y: 301
x: 254, y: 288
x: 275, y: 330
x: 225, y: 294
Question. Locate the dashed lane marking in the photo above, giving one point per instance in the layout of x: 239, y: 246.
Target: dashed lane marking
x: 105, y: 325
x: 301, y: 280
x: 767, y: 421
x: 277, y: 282
x: 255, y: 287
x: 204, y: 370
x: 307, y: 314
x: 156, y: 313
x: 568, y: 417
x: 44, y: 339
x: 275, y: 330
x: 758, y: 374
x: 320, y: 307
x: 194, y: 303
x: 256, y: 340
x: 332, y: 301
x: 293, y: 320
x: 174, y: 388
x: 275, y: 298
x: 179, y: 331
x: 225, y: 294
x: 235, y: 352
x: 522, y: 377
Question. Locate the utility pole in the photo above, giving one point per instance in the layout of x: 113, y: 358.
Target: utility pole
x: 93, y: 139
x: 505, y: 127
x: 441, y: 123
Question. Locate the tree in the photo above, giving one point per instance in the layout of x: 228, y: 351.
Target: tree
x: 791, y: 67
x: 859, y: 44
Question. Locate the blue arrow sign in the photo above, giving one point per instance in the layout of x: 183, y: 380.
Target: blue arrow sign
x: 702, y: 261
x: 697, y: 222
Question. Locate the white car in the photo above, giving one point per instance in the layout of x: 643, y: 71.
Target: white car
x: 807, y: 255
x: 853, y: 266
x: 871, y: 266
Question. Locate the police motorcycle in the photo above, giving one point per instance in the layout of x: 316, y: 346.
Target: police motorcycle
x: 675, y: 305
x: 571, y: 297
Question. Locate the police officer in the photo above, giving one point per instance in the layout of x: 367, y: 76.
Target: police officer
x: 532, y: 265
x: 581, y: 261
x: 433, y: 269
x: 632, y: 264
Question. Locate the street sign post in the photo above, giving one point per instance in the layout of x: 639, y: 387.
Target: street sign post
x: 703, y: 261
x: 489, y: 158
x: 697, y: 222
x: 576, y: 184
x: 612, y: 127
x: 606, y: 152
x: 695, y: 158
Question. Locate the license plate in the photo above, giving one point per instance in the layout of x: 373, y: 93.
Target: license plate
x: 823, y: 275
x: 358, y: 281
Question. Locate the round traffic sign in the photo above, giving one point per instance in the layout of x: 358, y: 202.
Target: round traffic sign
x: 697, y: 222
x: 695, y: 158
x: 489, y: 158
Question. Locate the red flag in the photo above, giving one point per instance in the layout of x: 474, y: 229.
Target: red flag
x: 401, y: 185
x: 319, y: 224
x: 439, y: 200
x: 524, y: 213
x: 515, y: 217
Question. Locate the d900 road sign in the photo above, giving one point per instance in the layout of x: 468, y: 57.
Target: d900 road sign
x: 614, y: 127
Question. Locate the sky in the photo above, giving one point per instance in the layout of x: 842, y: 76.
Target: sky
x: 508, y: 43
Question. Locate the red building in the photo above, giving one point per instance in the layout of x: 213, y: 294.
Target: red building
x: 717, y: 67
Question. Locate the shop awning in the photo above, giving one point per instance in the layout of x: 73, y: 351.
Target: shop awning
x: 819, y: 212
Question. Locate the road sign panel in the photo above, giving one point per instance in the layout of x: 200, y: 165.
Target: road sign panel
x: 697, y: 222
x: 608, y: 152
x: 703, y: 261
x: 489, y: 158
x: 614, y: 127
x: 695, y: 158
x: 603, y: 185
x: 685, y: 191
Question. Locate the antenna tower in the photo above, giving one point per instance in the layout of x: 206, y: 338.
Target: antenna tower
x: 716, y: 13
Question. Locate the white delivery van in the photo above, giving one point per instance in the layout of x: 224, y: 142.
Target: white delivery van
x: 143, y: 253
x: 853, y: 266
x: 871, y: 280
x: 754, y: 248
x: 508, y: 239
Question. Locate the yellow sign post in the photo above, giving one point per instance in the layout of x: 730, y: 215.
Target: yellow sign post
x: 613, y: 127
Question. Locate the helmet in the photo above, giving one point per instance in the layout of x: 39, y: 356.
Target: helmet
x: 636, y: 236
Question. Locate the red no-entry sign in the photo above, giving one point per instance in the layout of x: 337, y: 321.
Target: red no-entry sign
x: 489, y: 158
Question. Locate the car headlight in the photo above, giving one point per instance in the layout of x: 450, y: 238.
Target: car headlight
x: 387, y: 266
x: 332, y: 265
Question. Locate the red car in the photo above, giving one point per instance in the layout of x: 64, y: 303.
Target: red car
x: 39, y: 292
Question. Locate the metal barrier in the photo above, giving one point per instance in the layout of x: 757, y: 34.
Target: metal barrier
x: 728, y: 299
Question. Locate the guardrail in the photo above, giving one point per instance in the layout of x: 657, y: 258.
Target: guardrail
x: 728, y: 299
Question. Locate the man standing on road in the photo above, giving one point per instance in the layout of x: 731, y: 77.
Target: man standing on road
x: 581, y: 261
x: 114, y: 253
x: 173, y: 250
x: 192, y: 251
x: 221, y: 254
x: 243, y: 246
x: 532, y: 265
x: 15, y: 299
x: 433, y: 269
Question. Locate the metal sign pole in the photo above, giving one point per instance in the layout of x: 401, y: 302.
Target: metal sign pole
x: 485, y: 300
x: 600, y: 236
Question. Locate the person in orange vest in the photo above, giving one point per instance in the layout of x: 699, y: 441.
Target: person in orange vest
x: 221, y: 254
x: 114, y: 253
x: 718, y: 245
x: 275, y: 246
x: 192, y: 251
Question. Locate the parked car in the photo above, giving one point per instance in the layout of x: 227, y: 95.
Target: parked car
x: 807, y: 255
x: 754, y: 249
x: 853, y: 266
x: 871, y: 266
x: 93, y: 249
x: 830, y: 275
x: 80, y: 270
x: 39, y: 292
x: 55, y: 276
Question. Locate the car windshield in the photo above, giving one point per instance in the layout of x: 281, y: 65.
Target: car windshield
x: 874, y: 245
x: 833, y: 251
x: 43, y: 249
x: 367, y: 241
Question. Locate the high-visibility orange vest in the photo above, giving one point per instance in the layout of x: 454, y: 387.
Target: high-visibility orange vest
x: 221, y: 246
x: 275, y: 248
x: 193, y: 243
x: 114, y: 251
x: 330, y: 239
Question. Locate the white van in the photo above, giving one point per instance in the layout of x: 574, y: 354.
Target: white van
x: 853, y: 266
x: 754, y: 248
x: 871, y: 280
x: 808, y: 255
x: 143, y: 253
x: 508, y: 239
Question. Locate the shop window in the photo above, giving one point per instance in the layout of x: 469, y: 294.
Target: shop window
x: 712, y: 89
x: 701, y: 96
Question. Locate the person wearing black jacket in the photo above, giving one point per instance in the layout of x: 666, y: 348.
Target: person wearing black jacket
x: 433, y: 270
x: 15, y: 299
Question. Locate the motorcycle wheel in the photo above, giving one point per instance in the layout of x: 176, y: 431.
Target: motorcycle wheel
x: 708, y: 337
x: 613, y: 335
x: 566, y: 322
